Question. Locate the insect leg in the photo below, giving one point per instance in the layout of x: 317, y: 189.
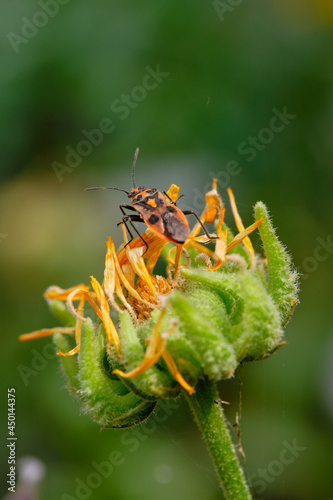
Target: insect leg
x: 132, y: 218
x: 128, y: 207
x: 137, y: 218
x: 171, y: 201
x: 128, y: 230
x: 210, y: 236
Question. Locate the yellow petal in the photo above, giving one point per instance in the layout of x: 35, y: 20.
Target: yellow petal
x: 154, y: 250
x: 121, y: 280
x: 221, y: 219
x: 156, y: 346
x: 69, y: 353
x: 174, y: 262
x: 110, y: 330
x: 90, y: 296
x: 135, y: 258
x: 155, y: 245
x: 120, y: 293
x: 70, y: 305
x: 173, y: 192
x: 109, y: 282
x: 55, y: 292
x: 121, y: 277
x: 246, y: 240
x: 221, y: 246
x: 45, y: 332
x: 242, y: 235
x: 213, y: 203
x: 179, y: 249
x: 175, y: 372
x: 147, y: 362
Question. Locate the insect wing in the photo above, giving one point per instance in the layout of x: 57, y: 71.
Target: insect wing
x: 161, y: 216
x: 155, y: 223
x: 175, y: 227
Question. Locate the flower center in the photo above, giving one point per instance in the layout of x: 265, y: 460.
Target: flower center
x: 143, y: 310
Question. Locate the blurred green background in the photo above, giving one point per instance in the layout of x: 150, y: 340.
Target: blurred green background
x: 223, y: 68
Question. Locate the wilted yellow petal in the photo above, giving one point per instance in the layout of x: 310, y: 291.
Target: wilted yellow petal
x: 175, y: 372
x: 135, y: 258
x: 246, y: 240
x: 45, y: 332
x: 69, y: 353
x: 177, y: 262
x: 154, y: 249
x: 55, y: 292
x: 109, y: 282
x: 243, y: 234
x: 213, y: 204
x: 90, y: 296
x: 173, y: 192
x: 155, y: 245
x: 120, y: 293
x: 121, y: 279
x: 148, y: 361
x: 174, y: 262
x: 156, y: 346
x: 221, y: 246
x: 110, y: 330
x: 221, y: 219
x: 128, y: 271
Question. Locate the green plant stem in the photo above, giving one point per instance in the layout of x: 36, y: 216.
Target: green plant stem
x: 209, y: 416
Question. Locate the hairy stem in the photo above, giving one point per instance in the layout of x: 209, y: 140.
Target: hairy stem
x: 209, y: 416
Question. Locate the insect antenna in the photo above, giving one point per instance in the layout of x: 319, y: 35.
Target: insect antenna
x: 133, y: 168
x: 118, y: 189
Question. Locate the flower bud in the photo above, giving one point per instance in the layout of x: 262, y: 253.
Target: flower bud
x: 199, y: 324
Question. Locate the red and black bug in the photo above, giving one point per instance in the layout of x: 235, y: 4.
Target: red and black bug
x: 157, y: 211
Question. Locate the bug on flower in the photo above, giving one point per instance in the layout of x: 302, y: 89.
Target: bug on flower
x: 157, y: 210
